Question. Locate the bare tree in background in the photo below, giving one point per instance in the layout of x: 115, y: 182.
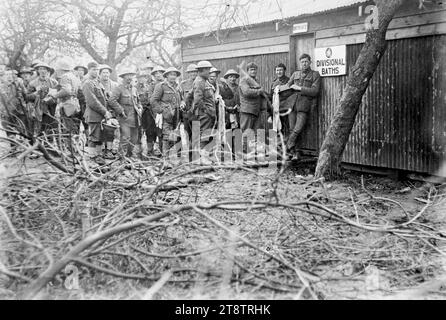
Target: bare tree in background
x: 110, y: 30
x: 23, y: 31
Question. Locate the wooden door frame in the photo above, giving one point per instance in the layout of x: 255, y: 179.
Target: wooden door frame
x: 292, y: 52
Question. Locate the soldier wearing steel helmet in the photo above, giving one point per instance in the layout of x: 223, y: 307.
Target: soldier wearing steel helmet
x: 203, y: 106
x: 13, y: 104
x: 145, y: 91
x: 186, y: 87
x: 81, y: 72
x: 153, y: 132
x: 108, y: 85
x: 97, y: 111
x: 67, y: 95
x: 124, y: 101
x: 167, y: 100
x: 44, y: 105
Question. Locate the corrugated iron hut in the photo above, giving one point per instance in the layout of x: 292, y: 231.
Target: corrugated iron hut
x: 402, y: 121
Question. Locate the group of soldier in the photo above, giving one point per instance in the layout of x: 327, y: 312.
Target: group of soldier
x: 150, y: 102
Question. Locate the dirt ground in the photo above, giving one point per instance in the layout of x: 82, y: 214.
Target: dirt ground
x: 357, y: 264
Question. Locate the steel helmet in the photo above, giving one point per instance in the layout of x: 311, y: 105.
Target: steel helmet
x: 172, y: 69
x: 83, y: 68
x: 44, y: 65
x: 231, y: 72
x: 215, y: 70
x: 63, y: 65
x: 105, y: 66
x: 157, y: 69
x: 26, y: 70
x: 191, y: 68
x: 127, y: 71
x: 204, y: 65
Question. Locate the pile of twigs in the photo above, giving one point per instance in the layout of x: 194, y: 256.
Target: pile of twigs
x: 221, y: 229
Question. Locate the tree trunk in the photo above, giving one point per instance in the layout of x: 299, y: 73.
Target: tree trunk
x: 357, y: 83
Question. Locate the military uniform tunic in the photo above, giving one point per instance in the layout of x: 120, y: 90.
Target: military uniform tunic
x: 166, y: 100
x: 306, y: 99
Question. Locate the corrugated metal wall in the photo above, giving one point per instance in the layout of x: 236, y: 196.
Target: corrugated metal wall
x: 402, y: 120
x: 266, y: 63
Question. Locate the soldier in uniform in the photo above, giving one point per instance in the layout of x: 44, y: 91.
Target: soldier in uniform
x: 154, y: 132
x: 203, y: 105
x: 109, y: 85
x: 44, y: 105
x: 67, y: 95
x: 145, y: 90
x: 26, y: 75
x: 186, y: 87
x: 167, y: 100
x: 13, y: 115
x: 251, y: 96
x: 281, y: 80
x: 233, y: 105
x: 307, y: 84
x: 81, y: 72
x: 96, y: 111
x: 125, y: 102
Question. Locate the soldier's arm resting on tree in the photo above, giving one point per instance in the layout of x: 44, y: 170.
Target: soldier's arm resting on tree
x: 91, y: 99
x: 313, y: 91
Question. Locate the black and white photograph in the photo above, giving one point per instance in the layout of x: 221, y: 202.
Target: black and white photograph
x: 222, y: 155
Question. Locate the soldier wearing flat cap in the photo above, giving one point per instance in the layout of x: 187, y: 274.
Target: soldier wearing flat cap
x: 251, y: 100
x: 306, y: 83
